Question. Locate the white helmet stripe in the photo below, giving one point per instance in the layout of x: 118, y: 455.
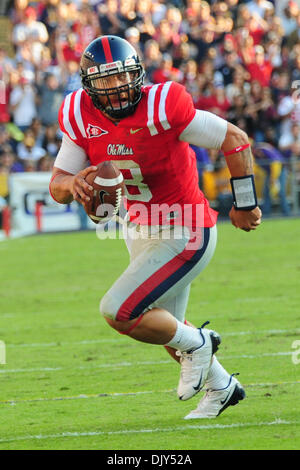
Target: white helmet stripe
x: 77, y: 112
x: 66, y: 118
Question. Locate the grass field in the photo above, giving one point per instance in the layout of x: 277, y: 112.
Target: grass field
x: 71, y: 382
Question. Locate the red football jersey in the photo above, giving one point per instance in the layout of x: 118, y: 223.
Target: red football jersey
x: 159, y: 170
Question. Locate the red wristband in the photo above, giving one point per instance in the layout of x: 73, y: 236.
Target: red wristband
x: 240, y: 148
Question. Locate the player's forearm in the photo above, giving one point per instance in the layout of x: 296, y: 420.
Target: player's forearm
x: 61, y: 188
x: 240, y: 161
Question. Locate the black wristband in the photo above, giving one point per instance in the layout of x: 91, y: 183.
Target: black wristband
x: 243, y: 192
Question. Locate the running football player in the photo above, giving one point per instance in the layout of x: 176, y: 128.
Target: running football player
x: 146, y: 132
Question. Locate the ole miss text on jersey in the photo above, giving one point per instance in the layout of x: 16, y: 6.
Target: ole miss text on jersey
x: 157, y: 167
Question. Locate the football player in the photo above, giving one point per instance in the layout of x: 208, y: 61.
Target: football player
x: 146, y: 132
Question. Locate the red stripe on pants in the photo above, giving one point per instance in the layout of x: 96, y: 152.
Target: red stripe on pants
x: 155, y: 279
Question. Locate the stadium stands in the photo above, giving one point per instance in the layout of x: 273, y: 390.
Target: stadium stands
x: 238, y: 59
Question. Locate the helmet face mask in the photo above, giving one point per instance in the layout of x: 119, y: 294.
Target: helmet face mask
x: 113, y: 85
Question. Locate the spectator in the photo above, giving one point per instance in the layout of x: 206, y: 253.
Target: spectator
x: 126, y: 15
x: 288, y: 18
x: 22, y: 104
x: 295, y: 72
x: 183, y: 52
x: 289, y: 143
x: 216, y: 103
x: 203, y: 37
x: 87, y: 26
x: 9, y: 161
x: 132, y: 35
x: 204, y: 166
x: 239, y: 85
x: 246, y: 46
x: 227, y: 70
x: 237, y: 110
x: 108, y: 18
x: 51, y: 141
x: 72, y: 78
x: 45, y: 163
x: 165, y: 36
x: 274, y: 164
x: 4, y: 190
x: 30, y: 30
x: 289, y: 114
x: 189, y: 80
x: 152, y: 58
x: 38, y: 131
x: 259, y: 7
x: 50, y: 96
x: 6, y: 65
x: 260, y: 69
x: 158, y: 10
x: 71, y: 49
x: 144, y: 21
x: 17, y: 13
x: 166, y: 71
x: 260, y: 111
x: 28, y: 150
x: 174, y: 18
x: 223, y: 187
x: 280, y: 85
x: 294, y: 37
x: 257, y: 27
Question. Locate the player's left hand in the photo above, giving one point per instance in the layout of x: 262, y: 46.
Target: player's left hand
x: 246, y: 220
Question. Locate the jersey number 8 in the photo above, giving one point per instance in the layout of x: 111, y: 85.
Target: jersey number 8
x: 133, y: 178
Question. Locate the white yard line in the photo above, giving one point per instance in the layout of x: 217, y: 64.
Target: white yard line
x: 117, y: 339
x: 134, y: 364
x: 201, y: 427
x: 84, y: 396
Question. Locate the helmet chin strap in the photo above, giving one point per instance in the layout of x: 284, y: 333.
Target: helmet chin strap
x: 116, y: 114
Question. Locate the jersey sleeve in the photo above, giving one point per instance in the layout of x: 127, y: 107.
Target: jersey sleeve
x: 71, y: 157
x: 179, y: 107
x: 205, y: 130
x: 70, y: 118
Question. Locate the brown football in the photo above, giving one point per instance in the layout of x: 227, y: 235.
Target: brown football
x: 109, y: 187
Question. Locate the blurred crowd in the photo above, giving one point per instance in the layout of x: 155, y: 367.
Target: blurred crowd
x: 238, y: 59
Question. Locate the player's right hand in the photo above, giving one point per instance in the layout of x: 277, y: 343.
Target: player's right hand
x: 80, y: 189
x: 245, y: 220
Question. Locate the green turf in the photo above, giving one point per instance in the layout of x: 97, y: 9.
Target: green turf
x: 68, y: 372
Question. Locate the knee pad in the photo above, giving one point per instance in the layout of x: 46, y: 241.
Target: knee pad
x: 109, y: 306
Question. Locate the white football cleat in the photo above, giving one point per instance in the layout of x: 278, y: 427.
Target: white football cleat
x: 215, y: 402
x: 196, y: 363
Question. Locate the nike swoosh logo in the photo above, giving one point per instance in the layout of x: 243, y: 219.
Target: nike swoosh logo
x: 224, y: 401
x: 199, y: 383
x: 134, y: 131
x: 102, y: 194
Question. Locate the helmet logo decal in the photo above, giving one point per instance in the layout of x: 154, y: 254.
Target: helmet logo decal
x: 129, y: 61
x: 95, y: 131
x: 93, y: 69
x: 111, y: 66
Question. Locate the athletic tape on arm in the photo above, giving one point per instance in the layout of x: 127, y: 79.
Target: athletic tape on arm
x: 206, y: 130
